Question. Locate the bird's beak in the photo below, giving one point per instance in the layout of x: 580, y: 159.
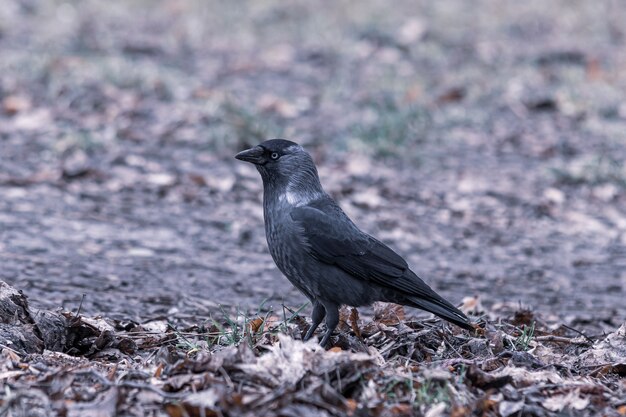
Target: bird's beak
x: 252, y: 155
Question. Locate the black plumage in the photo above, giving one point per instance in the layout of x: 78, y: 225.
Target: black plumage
x: 322, y: 252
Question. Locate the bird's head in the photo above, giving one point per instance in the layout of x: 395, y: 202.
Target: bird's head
x: 283, y: 164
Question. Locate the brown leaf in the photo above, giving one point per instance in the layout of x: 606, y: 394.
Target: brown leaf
x: 269, y: 103
x: 344, y: 319
x: 255, y: 324
x: 351, y: 406
x: 472, y: 305
x: 367, y: 198
x: 158, y: 371
x: 12, y: 355
x: 594, y: 69
x: 388, y: 313
x: 197, y: 179
x: 487, y: 405
x: 189, y: 410
x: 15, y: 104
x: 460, y: 411
x: 485, y: 381
x: 111, y: 373
x: 402, y: 410
x: 451, y: 95
x: 523, y: 317
x: 272, y: 322
x: 175, y: 410
x: 104, y: 405
x: 572, y: 400
x: 354, y: 322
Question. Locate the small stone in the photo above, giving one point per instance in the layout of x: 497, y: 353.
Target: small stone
x: 161, y: 179
x: 140, y: 252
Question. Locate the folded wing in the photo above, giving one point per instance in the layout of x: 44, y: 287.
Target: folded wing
x: 335, y: 240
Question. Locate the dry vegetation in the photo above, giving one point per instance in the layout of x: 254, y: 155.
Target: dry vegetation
x: 381, y: 366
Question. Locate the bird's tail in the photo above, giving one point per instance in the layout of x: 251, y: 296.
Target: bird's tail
x: 443, y: 309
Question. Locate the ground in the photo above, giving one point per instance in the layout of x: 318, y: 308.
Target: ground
x: 483, y: 141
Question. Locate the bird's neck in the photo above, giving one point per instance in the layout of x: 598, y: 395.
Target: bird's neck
x: 297, y: 190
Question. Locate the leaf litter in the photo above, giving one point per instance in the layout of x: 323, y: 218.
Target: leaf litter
x: 384, y: 364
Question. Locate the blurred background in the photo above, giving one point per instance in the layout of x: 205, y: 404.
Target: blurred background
x: 484, y: 141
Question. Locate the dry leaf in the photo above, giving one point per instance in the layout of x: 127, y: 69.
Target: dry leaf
x: 255, y: 324
x: 354, y: 322
x: 344, y: 318
x: 472, y: 305
x: 388, y: 313
x: 509, y: 408
x: 411, y: 31
x: 367, y: 198
x: 15, y: 104
x: 158, y: 371
x: 351, y: 406
x: 437, y: 410
x: 402, y: 410
x: 460, y: 411
x: 571, y: 400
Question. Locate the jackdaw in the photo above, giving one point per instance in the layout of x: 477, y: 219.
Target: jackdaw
x: 321, y: 251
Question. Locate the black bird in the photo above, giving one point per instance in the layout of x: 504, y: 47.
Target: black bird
x: 320, y: 250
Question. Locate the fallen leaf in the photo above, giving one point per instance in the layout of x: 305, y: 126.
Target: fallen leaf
x: 437, y: 410
x: 571, y: 400
x: 451, y: 95
x: 104, y: 405
x: 15, y: 104
x: 472, y: 305
x: 460, y: 411
x: 222, y: 183
x: 411, y: 31
x: 255, y: 324
x: 351, y: 406
x: 388, y: 313
x: 508, y: 408
x: 402, y: 410
x: 158, y: 371
x: 367, y: 198
x: 161, y: 179
x: 354, y: 322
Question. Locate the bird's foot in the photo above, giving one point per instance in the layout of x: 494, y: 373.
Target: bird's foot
x: 309, y: 334
x: 326, y: 342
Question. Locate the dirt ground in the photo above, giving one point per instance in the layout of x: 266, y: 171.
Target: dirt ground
x: 484, y: 141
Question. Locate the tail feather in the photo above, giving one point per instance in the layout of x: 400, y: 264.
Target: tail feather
x: 442, y: 309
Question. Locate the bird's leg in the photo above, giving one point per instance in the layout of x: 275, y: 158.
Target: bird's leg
x: 316, y: 317
x: 332, y: 320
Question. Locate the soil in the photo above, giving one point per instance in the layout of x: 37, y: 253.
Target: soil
x: 484, y: 141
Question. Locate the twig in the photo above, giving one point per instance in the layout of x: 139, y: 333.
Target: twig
x: 31, y: 393
x: 128, y: 384
x: 8, y: 348
x: 80, y: 306
x: 559, y: 339
x: 590, y: 340
x: 226, y: 377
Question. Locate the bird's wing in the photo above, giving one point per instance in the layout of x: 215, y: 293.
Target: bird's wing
x: 337, y: 241
x: 333, y: 239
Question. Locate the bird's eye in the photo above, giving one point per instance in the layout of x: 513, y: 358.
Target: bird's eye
x: 274, y: 155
